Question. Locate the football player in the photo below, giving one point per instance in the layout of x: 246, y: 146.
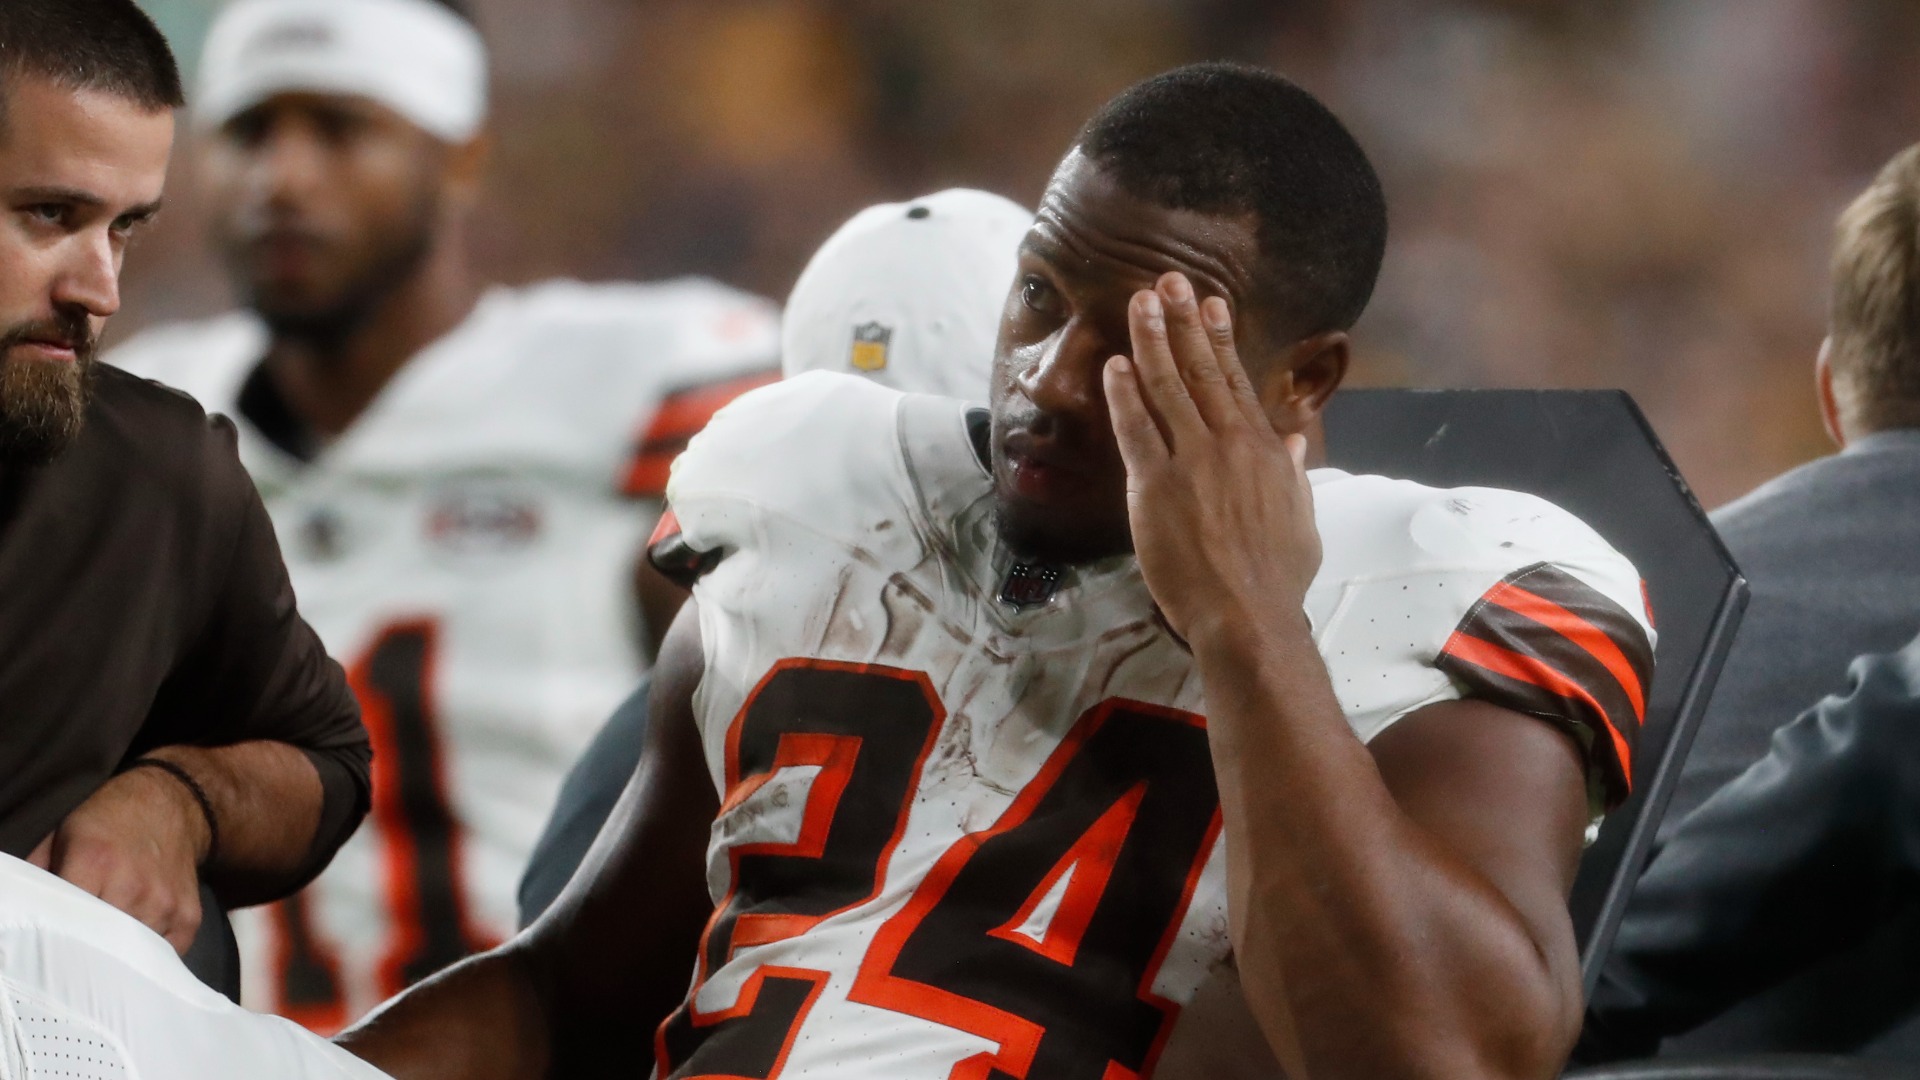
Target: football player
x: 462, y: 476
x: 988, y: 736
x: 907, y: 295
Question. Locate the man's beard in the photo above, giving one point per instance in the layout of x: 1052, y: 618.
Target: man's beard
x: 43, y: 403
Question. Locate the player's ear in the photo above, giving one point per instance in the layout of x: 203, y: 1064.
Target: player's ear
x: 1300, y: 380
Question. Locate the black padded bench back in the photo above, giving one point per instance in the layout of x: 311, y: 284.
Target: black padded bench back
x: 1590, y: 452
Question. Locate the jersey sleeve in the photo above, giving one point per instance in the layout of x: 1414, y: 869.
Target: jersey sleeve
x: 729, y: 345
x: 817, y: 453
x: 1504, y: 598
x: 1545, y: 643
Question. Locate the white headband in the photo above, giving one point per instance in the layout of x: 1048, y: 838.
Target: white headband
x: 413, y: 56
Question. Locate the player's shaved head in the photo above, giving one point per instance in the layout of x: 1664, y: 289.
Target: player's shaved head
x: 1233, y: 140
x: 104, y: 45
x: 1231, y: 176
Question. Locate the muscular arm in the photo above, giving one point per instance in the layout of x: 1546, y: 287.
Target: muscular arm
x: 580, y: 992
x: 1397, y: 910
x: 266, y: 797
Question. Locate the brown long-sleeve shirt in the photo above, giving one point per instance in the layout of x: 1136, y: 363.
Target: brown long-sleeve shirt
x: 143, y: 602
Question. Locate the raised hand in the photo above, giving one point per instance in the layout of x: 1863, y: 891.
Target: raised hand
x: 1219, y: 503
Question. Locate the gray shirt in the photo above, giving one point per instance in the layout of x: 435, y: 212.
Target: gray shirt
x: 1832, y: 553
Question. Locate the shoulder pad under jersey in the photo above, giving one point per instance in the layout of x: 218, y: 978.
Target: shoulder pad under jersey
x: 208, y: 359
x: 1429, y: 594
x: 819, y: 452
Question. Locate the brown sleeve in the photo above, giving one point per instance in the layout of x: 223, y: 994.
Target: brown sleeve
x: 257, y: 671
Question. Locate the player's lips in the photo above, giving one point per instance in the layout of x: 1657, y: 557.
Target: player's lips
x: 1037, y: 469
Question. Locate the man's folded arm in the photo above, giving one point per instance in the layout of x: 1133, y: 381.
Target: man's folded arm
x: 256, y: 712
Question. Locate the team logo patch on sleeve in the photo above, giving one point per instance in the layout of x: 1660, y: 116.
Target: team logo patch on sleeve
x: 1545, y: 643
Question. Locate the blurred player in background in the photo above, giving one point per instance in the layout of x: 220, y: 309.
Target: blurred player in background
x: 908, y: 295
x: 462, y: 476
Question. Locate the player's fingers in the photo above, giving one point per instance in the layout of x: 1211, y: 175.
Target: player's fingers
x: 1141, y: 444
x: 1218, y: 319
x: 1157, y: 377
x: 1194, y: 351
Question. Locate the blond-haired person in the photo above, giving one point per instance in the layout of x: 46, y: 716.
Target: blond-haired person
x: 1832, y: 550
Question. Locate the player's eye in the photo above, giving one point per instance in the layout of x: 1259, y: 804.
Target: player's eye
x: 1036, y: 293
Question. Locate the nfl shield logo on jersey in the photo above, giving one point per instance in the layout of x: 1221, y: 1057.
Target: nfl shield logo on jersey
x: 870, y: 342
x: 1029, y: 584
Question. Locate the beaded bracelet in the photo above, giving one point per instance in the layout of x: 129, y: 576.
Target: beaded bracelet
x: 199, y: 795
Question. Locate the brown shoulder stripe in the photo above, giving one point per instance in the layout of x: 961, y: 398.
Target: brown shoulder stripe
x: 1545, y: 643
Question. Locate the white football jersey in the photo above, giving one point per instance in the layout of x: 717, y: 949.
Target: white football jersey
x: 964, y: 837
x: 466, y: 550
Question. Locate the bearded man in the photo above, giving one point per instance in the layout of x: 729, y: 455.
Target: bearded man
x: 169, y: 717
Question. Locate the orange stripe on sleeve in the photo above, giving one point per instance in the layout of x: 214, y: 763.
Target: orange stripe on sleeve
x: 683, y: 414
x: 1577, y: 630
x: 1538, y: 673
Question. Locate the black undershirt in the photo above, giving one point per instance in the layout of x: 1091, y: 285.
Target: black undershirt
x: 268, y: 410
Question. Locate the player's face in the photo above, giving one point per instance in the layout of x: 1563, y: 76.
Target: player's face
x: 1059, y: 484
x: 327, y: 203
x: 80, y: 171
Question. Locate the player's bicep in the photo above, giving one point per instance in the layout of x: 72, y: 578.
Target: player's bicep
x: 616, y: 949
x: 1504, y: 793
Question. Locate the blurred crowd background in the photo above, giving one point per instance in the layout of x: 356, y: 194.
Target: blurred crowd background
x: 1585, y: 193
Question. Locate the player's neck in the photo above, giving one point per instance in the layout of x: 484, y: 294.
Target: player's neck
x: 329, y: 384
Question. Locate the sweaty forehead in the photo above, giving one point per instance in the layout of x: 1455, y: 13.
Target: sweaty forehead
x: 1088, y: 226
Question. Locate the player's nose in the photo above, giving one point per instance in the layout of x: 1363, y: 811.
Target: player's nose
x: 287, y: 166
x: 1064, y: 377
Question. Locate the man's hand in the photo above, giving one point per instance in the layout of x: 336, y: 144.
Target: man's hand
x: 1221, y: 509
x: 137, y: 843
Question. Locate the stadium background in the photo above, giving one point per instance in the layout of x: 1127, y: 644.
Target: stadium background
x: 1633, y: 193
